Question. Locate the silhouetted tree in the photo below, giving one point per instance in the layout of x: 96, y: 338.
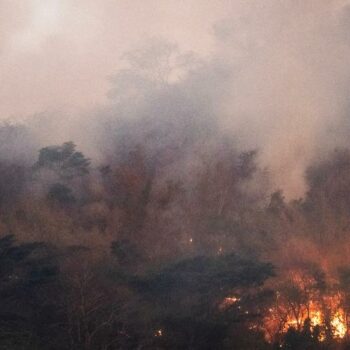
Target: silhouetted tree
x: 64, y: 160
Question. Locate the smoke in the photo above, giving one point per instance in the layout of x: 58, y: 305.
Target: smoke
x: 289, y: 84
x: 269, y: 75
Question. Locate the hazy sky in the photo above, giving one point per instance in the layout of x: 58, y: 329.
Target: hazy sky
x: 58, y: 53
x: 288, y: 62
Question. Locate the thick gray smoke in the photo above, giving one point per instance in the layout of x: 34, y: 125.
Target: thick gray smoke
x: 289, y: 82
x: 274, y: 78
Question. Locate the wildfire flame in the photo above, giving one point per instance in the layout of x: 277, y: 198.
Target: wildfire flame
x: 299, y: 307
x: 338, y: 324
x: 329, y: 315
x: 302, y: 301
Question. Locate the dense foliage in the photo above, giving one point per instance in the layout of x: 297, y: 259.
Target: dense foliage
x: 144, y: 250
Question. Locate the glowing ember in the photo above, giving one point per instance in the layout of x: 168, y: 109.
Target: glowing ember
x: 158, y: 333
x: 231, y: 300
x: 227, y: 302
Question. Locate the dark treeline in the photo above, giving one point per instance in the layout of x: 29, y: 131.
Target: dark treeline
x: 174, y: 240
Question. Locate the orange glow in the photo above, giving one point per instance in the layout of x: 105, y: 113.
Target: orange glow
x: 158, y: 333
x: 338, y: 324
x: 228, y: 301
x: 300, y: 304
x: 282, y: 317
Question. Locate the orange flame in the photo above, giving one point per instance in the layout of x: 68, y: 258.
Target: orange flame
x: 281, y: 318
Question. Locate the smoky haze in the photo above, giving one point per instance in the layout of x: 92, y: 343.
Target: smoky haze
x: 174, y: 174
x: 271, y: 76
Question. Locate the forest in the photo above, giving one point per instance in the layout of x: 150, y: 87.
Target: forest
x: 173, y: 240
x: 177, y: 196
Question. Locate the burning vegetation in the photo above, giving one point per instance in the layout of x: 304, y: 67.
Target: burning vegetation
x: 132, y: 253
x: 170, y: 235
x: 204, y: 204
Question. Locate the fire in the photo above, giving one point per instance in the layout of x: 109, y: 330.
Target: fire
x: 228, y: 301
x: 298, y: 303
x: 338, y: 324
x: 158, y: 333
x: 231, y: 300
x: 283, y: 317
x: 316, y: 318
x: 311, y: 312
